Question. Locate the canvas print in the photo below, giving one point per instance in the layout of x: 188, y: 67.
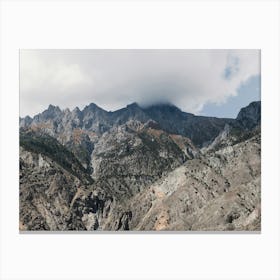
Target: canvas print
x: 144, y: 140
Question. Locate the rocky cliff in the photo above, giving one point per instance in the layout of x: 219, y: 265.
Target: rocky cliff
x: 54, y: 121
x: 154, y: 168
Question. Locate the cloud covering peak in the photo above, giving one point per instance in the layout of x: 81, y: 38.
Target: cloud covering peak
x: 112, y: 79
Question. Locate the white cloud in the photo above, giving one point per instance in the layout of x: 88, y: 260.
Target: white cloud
x: 114, y: 78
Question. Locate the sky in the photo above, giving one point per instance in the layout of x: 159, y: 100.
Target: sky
x: 204, y: 82
x: 246, y: 93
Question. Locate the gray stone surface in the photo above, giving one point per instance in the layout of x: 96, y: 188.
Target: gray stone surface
x: 138, y: 169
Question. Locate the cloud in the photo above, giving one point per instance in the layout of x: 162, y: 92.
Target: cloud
x: 114, y: 78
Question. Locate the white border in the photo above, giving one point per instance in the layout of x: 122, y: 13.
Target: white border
x: 156, y: 24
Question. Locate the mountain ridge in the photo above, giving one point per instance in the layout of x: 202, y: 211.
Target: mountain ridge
x: 200, y: 129
x: 139, y: 169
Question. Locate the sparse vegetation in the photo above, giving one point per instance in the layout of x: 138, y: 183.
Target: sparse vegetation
x: 48, y: 146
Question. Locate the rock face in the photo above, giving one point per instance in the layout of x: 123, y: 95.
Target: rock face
x: 140, y: 169
x: 250, y: 116
x: 201, y: 130
x: 92, y: 118
x: 220, y: 191
x: 52, y: 198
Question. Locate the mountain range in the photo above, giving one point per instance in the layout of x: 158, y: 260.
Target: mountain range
x: 140, y: 168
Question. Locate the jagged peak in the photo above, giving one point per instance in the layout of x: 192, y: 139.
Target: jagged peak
x: 67, y: 111
x: 92, y: 107
x: 133, y: 105
x: 53, y: 108
x: 76, y: 110
x: 50, y: 112
x: 252, y: 109
x: 254, y: 103
x: 27, y: 118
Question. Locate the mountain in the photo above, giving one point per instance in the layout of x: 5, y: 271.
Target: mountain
x: 152, y: 168
x: 199, y: 129
x: 220, y: 191
x: 247, y: 125
x: 250, y: 116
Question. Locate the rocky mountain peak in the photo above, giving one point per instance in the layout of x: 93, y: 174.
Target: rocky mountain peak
x: 201, y: 130
x: 139, y: 169
x: 25, y: 121
x: 133, y: 105
x: 92, y: 107
x: 250, y: 116
x: 53, y: 108
x: 52, y: 111
x: 76, y: 109
x: 76, y: 113
x: 132, y: 109
x: 167, y: 111
x: 67, y: 111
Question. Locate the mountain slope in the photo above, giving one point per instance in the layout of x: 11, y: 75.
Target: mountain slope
x: 200, y: 130
x: 220, y: 191
x: 92, y: 118
x: 134, y: 155
x: 44, y: 144
x: 134, y: 169
x: 250, y: 116
x: 52, y: 198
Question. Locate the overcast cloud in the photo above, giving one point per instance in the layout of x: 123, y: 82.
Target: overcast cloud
x: 114, y: 78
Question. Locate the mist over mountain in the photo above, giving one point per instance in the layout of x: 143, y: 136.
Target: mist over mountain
x: 151, y: 167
